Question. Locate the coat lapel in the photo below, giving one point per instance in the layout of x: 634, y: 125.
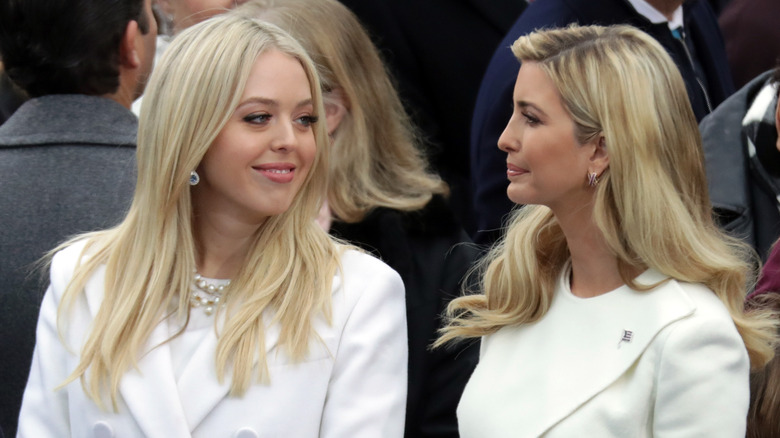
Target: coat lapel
x: 576, y: 355
x: 198, y: 387
x: 150, y: 390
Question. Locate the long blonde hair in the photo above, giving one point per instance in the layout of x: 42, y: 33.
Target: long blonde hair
x: 376, y: 159
x: 651, y: 205
x: 150, y: 257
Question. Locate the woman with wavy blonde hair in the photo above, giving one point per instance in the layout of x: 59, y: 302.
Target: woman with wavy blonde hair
x: 382, y: 197
x: 613, y: 306
x: 217, y: 307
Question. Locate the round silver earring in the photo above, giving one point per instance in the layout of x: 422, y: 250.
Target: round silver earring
x: 194, y: 178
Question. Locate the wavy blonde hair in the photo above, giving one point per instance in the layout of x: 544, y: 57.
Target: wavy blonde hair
x: 150, y: 256
x: 376, y: 159
x: 651, y: 205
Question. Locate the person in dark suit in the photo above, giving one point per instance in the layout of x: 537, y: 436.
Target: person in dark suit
x: 438, y: 51
x: 696, y: 46
x: 381, y: 197
x: 66, y: 155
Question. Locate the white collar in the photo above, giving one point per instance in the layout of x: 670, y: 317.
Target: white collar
x: 648, y: 11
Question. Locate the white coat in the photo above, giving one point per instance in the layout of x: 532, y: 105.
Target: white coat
x: 667, y: 362
x: 354, y: 386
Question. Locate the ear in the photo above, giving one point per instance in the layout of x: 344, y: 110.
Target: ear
x: 599, y: 157
x: 336, y: 108
x: 128, y: 52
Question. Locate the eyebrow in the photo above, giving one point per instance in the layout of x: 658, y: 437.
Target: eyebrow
x: 271, y: 102
x: 523, y: 105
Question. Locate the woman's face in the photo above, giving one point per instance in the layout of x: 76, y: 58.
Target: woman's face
x: 259, y: 161
x: 185, y: 13
x: 545, y: 163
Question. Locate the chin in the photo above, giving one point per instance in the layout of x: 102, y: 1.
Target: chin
x: 518, y: 196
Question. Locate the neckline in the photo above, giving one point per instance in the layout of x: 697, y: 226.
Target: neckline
x: 648, y: 276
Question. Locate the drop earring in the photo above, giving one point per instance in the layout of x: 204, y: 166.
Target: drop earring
x: 194, y: 178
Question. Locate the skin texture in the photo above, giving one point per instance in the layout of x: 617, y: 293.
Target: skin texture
x: 258, y: 162
x: 136, y: 59
x: 545, y: 163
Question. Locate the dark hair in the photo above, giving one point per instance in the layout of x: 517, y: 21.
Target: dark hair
x: 66, y: 46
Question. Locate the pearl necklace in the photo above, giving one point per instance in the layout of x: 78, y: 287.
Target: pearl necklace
x: 206, y: 295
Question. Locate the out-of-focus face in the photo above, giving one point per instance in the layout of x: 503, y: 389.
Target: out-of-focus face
x: 258, y: 162
x: 185, y: 13
x: 546, y: 164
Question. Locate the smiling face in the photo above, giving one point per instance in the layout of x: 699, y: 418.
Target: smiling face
x: 260, y: 159
x: 546, y: 164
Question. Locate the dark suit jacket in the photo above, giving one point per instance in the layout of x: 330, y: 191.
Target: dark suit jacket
x: 425, y: 248
x: 67, y: 165
x: 438, y: 51
x: 743, y: 191
x: 494, y: 102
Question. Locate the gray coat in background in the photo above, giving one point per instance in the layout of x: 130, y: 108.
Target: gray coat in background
x: 67, y: 166
x: 744, y: 192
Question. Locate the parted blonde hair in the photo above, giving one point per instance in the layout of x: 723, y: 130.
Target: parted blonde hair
x: 150, y: 257
x: 376, y: 160
x: 651, y: 205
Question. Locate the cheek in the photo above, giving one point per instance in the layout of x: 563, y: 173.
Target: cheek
x: 308, y: 152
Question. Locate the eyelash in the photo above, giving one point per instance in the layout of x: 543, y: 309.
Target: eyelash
x: 308, y: 120
x: 254, y: 118
x: 260, y: 119
x: 531, y: 120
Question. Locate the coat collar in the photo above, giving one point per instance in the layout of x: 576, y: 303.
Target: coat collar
x: 70, y: 119
x: 582, y: 346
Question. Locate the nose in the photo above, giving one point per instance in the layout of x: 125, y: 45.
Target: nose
x: 509, y: 141
x: 285, y: 138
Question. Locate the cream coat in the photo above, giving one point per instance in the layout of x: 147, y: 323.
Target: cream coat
x: 354, y: 386
x: 682, y: 371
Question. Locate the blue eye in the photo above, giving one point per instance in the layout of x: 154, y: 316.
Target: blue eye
x: 307, y: 120
x: 257, y: 119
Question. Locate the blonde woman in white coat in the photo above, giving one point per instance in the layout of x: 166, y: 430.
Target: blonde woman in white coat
x: 613, y: 306
x: 218, y: 307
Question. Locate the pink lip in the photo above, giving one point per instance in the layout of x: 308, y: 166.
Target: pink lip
x: 512, y: 170
x: 281, y: 173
